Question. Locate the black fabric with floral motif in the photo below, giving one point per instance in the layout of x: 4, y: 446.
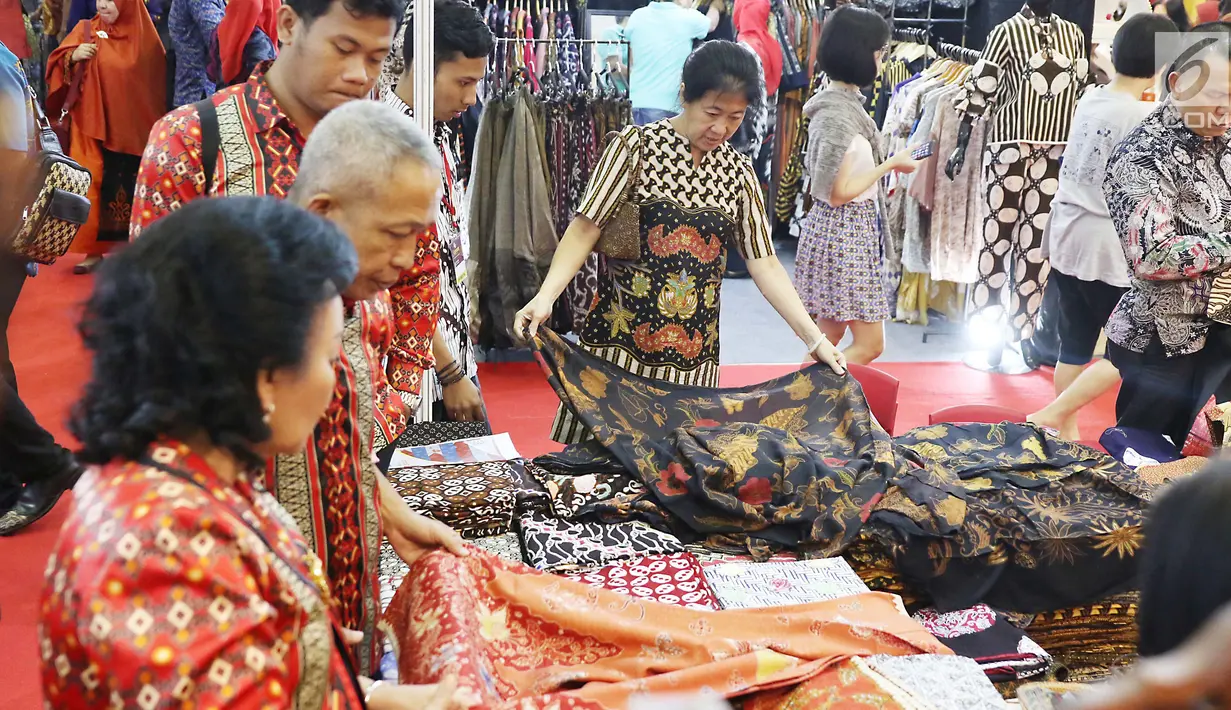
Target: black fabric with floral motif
x: 1001, y: 514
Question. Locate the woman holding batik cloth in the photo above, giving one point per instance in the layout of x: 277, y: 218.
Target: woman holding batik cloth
x: 177, y: 579
x: 657, y: 316
x: 110, y: 74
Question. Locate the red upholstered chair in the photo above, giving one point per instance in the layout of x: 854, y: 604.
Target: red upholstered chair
x: 976, y: 414
x: 881, y: 391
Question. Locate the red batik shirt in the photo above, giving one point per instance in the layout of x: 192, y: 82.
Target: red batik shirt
x: 258, y: 152
x: 416, y: 306
x: 331, y: 487
x: 168, y: 591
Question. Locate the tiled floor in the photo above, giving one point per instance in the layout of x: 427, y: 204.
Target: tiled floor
x: 752, y: 332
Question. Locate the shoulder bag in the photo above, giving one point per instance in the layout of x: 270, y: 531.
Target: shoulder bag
x: 50, y: 223
x: 620, y: 238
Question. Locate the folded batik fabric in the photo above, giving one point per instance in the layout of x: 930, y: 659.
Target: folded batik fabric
x: 521, y: 639
x: 532, y: 496
x: 476, y: 499
x: 570, y: 495
x: 751, y: 585
x: 1002, y: 650
x: 552, y: 544
x: 666, y: 579
x: 939, y: 682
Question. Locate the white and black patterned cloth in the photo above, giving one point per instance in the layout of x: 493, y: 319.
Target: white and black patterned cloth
x: 1169, y: 194
x: 551, y: 544
x: 949, y: 682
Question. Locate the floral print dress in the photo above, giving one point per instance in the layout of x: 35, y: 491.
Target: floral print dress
x: 657, y: 317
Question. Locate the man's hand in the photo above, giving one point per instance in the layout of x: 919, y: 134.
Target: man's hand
x: 418, y: 535
x: 463, y: 402
x: 442, y: 696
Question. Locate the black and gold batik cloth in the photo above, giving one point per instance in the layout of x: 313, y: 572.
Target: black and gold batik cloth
x: 657, y: 317
x: 1026, y: 84
x: 1001, y: 514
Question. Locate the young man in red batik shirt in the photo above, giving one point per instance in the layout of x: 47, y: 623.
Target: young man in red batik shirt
x: 450, y: 391
x: 332, y: 51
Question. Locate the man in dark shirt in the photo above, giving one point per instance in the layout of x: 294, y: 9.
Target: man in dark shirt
x: 34, y: 470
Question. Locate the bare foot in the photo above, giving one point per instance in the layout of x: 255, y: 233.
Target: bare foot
x: 1066, y: 429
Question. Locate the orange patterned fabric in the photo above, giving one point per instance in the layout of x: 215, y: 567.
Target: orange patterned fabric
x: 846, y: 685
x: 524, y: 639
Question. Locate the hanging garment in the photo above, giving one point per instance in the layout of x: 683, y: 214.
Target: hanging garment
x: 797, y: 462
x: 1020, y: 180
x: 522, y: 238
x: 1027, y: 83
x: 517, y: 638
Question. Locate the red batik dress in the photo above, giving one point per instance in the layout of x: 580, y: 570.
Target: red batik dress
x: 170, y: 587
x: 331, y: 486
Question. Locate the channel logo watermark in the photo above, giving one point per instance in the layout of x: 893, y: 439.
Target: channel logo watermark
x: 1199, y: 61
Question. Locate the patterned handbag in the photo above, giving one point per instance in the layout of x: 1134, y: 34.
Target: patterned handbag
x: 621, y: 236
x: 62, y: 205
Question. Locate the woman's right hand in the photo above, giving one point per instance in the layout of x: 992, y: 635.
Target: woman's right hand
x: 526, y: 322
x: 84, y: 52
x: 902, y: 162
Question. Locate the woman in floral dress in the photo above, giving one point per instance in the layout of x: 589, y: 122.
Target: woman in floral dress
x: 657, y: 316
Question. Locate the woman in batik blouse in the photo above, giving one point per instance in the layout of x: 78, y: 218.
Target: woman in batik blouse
x: 657, y: 316
x: 177, y: 579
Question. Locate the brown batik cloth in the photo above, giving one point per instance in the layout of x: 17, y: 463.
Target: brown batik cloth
x: 572, y: 495
x: 1092, y: 640
x: 476, y: 500
x: 1164, y: 473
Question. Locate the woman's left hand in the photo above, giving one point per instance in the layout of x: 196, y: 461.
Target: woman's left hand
x: 420, y: 535
x: 829, y: 354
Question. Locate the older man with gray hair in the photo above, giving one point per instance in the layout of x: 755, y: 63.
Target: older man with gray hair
x: 375, y: 174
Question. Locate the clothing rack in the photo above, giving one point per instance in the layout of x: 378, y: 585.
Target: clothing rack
x: 965, y: 55
x: 930, y: 20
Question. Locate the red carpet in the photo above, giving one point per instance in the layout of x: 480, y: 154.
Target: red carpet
x: 52, y: 367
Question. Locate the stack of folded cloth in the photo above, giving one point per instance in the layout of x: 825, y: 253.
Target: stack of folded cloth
x: 754, y: 585
x: 1091, y: 640
x: 1002, y: 650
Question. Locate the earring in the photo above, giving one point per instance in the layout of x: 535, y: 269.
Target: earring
x: 269, y: 412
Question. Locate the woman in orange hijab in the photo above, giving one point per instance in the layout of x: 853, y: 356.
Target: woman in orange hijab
x: 121, y: 66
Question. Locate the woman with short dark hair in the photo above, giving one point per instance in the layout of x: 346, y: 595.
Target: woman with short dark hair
x: 840, y: 266
x: 177, y: 578
x: 657, y: 316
